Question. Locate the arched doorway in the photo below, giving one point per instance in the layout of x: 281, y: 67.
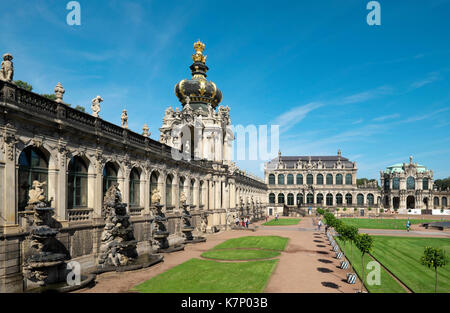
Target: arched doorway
x: 396, y: 202
x: 425, y: 201
x: 410, y: 202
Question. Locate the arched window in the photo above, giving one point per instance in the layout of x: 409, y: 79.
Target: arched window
x: 338, y: 199
x: 436, y: 201
x: 387, y: 184
x: 169, y: 180
x: 153, y: 185
x: 272, y: 198
x: 319, y: 198
x: 109, y: 176
x: 300, y: 199
x: 77, y: 183
x: 290, y: 179
x: 360, y: 199
x: 319, y: 179
x: 329, y: 179
x: 33, y: 165
x: 444, y: 202
x: 339, y: 179
x: 309, y: 179
x: 299, y: 179
x: 348, y: 179
x: 290, y: 199
x: 181, y: 189
x: 425, y: 184
x: 348, y: 199
x: 280, y: 179
x: 309, y: 198
x: 410, y: 183
x: 135, y: 188
x: 370, y: 199
x: 271, y: 179
x: 280, y: 198
x: 329, y: 199
x: 396, y: 183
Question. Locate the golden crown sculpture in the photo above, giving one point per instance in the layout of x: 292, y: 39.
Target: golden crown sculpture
x: 199, y: 47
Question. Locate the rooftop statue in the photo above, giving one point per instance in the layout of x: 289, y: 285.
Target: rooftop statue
x: 124, y: 118
x: 96, y: 105
x: 59, y: 92
x: 7, y: 69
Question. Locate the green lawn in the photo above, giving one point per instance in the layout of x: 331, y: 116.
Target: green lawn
x: 387, y: 283
x: 402, y: 256
x: 283, y: 222
x: 240, y: 254
x: 259, y: 242
x: 204, y: 276
x: 373, y: 223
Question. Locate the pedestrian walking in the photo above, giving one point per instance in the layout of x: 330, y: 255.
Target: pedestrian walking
x: 237, y: 221
x: 408, y: 224
x: 276, y: 216
x: 243, y: 222
x: 319, y: 224
x: 247, y: 222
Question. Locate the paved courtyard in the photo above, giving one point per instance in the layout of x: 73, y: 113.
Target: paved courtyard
x: 307, y: 264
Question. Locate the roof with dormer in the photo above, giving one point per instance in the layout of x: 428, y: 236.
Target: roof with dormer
x: 327, y: 161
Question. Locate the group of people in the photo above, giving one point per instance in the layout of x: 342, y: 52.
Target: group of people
x: 245, y: 222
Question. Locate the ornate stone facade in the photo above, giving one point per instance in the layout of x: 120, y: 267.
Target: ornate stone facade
x: 317, y: 182
x: 79, y: 156
x: 409, y: 186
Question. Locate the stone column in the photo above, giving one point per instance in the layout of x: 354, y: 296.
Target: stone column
x: 9, y: 178
x: 61, y: 208
x: 98, y: 191
x: 124, y: 186
x: 211, y: 193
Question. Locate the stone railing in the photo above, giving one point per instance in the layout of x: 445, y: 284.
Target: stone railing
x: 80, y: 215
x: 136, y: 211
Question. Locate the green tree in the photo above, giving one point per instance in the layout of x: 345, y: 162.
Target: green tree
x: 352, y: 233
x: 364, y: 243
x: 23, y: 85
x: 434, y: 258
x: 442, y: 183
x: 49, y: 96
x: 80, y: 108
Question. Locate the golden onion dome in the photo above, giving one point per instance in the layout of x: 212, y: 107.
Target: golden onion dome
x: 200, y: 91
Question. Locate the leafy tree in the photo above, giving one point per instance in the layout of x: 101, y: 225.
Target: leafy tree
x: 49, y: 96
x: 352, y: 233
x: 442, y: 183
x: 362, y: 181
x: 80, y: 108
x: 434, y: 258
x: 23, y: 85
x: 364, y: 242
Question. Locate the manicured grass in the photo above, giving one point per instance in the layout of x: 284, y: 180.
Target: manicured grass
x: 240, y: 254
x: 260, y: 242
x: 402, y: 256
x: 387, y: 282
x: 372, y: 223
x: 204, y: 276
x: 283, y: 222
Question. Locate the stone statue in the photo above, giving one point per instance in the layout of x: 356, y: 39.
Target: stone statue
x: 59, y: 92
x: 124, y: 118
x: 146, y: 132
x: 36, y: 193
x: 204, y: 224
x: 183, y: 198
x: 7, y: 69
x: 96, y: 105
x: 156, y: 196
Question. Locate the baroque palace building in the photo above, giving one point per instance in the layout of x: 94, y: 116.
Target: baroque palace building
x: 317, y: 182
x: 296, y: 182
x: 79, y: 156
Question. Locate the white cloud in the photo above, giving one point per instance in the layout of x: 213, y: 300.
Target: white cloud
x: 432, y: 77
x: 295, y: 115
x: 386, y: 117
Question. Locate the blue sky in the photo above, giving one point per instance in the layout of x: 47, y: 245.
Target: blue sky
x: 378, y: 93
